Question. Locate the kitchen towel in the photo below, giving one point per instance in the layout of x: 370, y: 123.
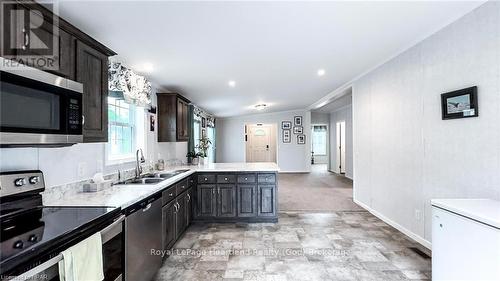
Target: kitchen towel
x: 83, y: 261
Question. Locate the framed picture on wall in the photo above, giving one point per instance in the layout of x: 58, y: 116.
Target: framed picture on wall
x: 301, y: 139
x: 286, y: 125
x: 152, y: 121
x: 203, y: 122
x: 459, y: 104
x: 287, y: 136
x: 298, y: 130
x: 297, y: 120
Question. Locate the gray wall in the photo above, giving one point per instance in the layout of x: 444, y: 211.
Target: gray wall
x: 292, y: 157
x: 343, y: 114
x: 405, y: 155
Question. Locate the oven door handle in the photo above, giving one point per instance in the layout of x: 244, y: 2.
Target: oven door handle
x: 112, y: 230
x: 39, y: 269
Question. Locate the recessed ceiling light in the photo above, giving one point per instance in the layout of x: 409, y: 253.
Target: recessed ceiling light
x: 232, y: 83
x: 260, y: 106
x: 321, y: 72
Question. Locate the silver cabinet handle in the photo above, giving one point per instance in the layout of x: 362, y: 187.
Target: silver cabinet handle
x: 225, y: 179
x: 206, y: 179
x: 83, y: 119
x: 147, y: 207
x: 189, y: 197
x: 246, y: 179
x: 171, y: 195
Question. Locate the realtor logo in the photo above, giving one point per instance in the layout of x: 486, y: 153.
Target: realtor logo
x: 28, y: 36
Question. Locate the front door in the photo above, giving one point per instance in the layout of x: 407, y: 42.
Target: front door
x: 260, y: 143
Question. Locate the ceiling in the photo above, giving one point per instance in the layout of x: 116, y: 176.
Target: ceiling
x: 272, y: 50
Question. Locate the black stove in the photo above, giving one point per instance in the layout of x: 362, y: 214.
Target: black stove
x: 32, y: 233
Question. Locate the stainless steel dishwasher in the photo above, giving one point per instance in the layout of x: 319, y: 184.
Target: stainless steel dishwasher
x: 143, y: 234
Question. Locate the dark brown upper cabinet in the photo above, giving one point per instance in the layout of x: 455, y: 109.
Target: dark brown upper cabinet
x: 92, y: 72
x: 172, y: 117
x: 73, y: 54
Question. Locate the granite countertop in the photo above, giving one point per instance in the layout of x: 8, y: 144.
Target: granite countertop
x: 126, y: 195
x: 486, y: 211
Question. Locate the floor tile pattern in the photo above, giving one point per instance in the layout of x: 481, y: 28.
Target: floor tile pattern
x: 351, y: 245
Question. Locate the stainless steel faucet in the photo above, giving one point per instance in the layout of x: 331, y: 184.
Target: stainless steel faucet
x: 138, y: 162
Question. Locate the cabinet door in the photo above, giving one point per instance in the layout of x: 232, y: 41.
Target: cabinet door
x: 226, y: 200
x: 247, y: 200
x: 189, y: 206
x: 91, y: 71
x: 169, y: 224
x: 266, y: 201
x: 182, y: 114
x: 181, y: 220
x: 206, y: 200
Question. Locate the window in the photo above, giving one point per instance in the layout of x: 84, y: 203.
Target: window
x: 319, y: 139
x: 124, y: 136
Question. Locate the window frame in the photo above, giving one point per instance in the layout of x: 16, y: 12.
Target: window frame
x: 135, y: 119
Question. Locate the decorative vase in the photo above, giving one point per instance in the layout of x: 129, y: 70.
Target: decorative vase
x: 201, y: 161
x: 195, y: 161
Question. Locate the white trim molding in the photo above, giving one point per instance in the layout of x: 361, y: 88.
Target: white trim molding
x: 397, y: 226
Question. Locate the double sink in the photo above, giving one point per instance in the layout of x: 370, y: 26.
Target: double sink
x: 154, y: 178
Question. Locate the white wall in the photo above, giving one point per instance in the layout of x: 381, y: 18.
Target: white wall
x: 60, y: 165
x: 404, y: 154
x: 343, y: 114
x: 292, y: 157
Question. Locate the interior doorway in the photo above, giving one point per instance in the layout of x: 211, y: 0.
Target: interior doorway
x: 340, y: 147
x: 319, y: 146
x: 260, y: 141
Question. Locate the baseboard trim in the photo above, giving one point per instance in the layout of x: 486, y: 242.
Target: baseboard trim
x: 294, y: 172
x: 396, y: 225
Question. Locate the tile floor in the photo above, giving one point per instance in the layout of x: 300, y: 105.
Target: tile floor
x: 351, y: 245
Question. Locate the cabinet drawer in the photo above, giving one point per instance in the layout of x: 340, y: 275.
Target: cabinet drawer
x: 246, y: 178
x: 267, y: 178
x: 226, y: 178
x: 206, y: 178
x: 168, y: 194
x: 181, y: 186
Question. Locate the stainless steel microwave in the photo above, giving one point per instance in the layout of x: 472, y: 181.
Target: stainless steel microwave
x: 38, y: 108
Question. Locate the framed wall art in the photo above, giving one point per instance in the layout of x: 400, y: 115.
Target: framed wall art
x: 459, y: 104
x: 301, y: 139
x: 287, y: 136
x: 297, y: 120
x: 286, y: 125
x: 298, y: 130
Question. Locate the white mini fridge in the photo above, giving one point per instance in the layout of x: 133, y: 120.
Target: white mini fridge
x: 465, y: 239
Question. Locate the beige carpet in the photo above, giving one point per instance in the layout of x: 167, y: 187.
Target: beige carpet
x: 319, y: 190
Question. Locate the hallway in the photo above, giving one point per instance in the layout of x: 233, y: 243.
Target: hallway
x: 318, y: 191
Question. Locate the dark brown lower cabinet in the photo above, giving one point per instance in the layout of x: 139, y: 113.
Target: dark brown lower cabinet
x: 226, y: 200
x: 206, y: 200
x: 169, y: 224
x: 189, y: 206
x: 180, y: 218
x: 247, y: 200
x: 249, y: 197
x: 266, y: 200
